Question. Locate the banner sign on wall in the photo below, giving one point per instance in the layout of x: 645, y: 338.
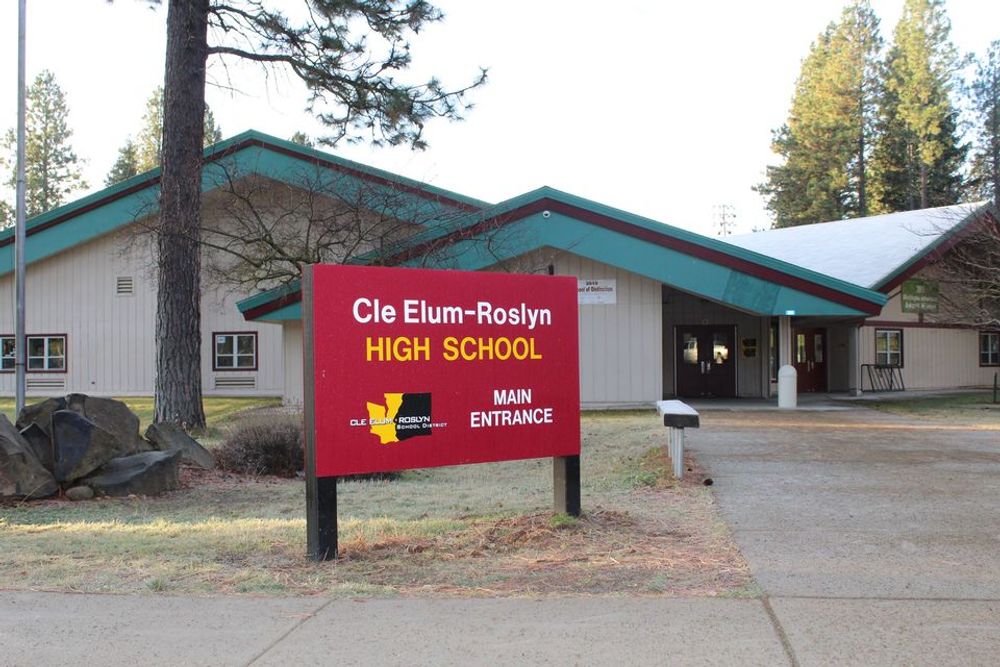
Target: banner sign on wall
x: 413, y: 368
x: 919, y: 296
x: 591, y: 292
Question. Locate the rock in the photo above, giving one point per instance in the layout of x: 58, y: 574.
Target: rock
x: 80, y: 446
x: 168, y: 436
x: 147, y: 474
x: 41, y: 444
x: 80, y: 493
x: 21, y: 474
x: 111, y: 415
x: 41, y: 414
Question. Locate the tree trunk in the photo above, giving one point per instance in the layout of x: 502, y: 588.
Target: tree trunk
x: 923, y: 185
x: 178, y: 303
x: 994, y: 131
x: 862, y: 176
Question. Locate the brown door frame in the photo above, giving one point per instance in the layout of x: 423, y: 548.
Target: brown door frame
x: 819, y: 377
x: 706, y: 331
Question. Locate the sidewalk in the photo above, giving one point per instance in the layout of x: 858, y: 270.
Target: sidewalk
x: 50, y: 628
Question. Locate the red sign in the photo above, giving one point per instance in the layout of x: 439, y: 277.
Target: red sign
x: 413, y: 368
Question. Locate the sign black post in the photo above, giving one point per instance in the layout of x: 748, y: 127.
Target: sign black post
x: 566, y: 483
x: 321, y: 518
x: 321, y: 492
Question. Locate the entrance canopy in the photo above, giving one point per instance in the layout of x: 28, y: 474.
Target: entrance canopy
x: 547, y: 218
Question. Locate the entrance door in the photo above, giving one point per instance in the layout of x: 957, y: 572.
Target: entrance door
x: 706, y: 361
x: 810, y: 358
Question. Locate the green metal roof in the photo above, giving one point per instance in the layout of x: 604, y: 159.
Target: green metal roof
x: 679, y: 258
x: 249, y: 153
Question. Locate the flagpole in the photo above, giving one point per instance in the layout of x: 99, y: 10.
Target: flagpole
x: 20, y: 339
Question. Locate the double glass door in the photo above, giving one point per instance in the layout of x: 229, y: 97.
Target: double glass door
x: 706, y: 361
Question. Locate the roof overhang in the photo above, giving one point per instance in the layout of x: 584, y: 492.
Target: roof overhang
x: 246, y: 154
x: 987, y: 214
x: 696, y: 264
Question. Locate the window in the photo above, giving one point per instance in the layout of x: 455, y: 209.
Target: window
x: 235, y: 351
x: 800, y: 348
x: 889, y: 347
x: 989, y: 348
x: 6, y: 354
x: 46, y: 353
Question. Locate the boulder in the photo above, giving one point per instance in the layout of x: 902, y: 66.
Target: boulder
x: 170, y: 436
x: 147, y: 474
x: 111, y: 415
x: 41, y: 444
x: 80, y: 493
x: 21, y: 474
x: 80, y: 446
x: 41, y: 414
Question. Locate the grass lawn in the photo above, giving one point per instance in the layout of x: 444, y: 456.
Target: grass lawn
x: 972, y: 408
x: 217, y: 409
x: 482, y: 530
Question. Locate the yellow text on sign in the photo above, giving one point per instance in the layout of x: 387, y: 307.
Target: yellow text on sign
x: 479, y: 349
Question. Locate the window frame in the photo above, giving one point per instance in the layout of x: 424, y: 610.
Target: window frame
x: 983, y: 335
x: 228, y: 369
x: 889, y: 353
x: 3, y: 338
x: 46, y: 357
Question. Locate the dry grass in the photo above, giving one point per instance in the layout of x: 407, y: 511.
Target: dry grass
x: 968, y: 409
x: 468, y: 530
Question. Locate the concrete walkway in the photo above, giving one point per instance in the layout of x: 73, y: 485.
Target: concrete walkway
x: 876, y: 543
x: 876, y: 540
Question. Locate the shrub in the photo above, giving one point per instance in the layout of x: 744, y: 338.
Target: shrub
x: 267, y: 444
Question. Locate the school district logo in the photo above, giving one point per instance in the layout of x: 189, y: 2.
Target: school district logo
x: 402, y: 417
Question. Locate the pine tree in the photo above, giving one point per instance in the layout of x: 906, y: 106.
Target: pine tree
x: 919, y: 158
x: 150, y: 138
x: 985, y: 164
x: 827, y: 142
x: 126, y: 166
x: 213, y: 133
x: 52, y: 168
x: 354, y: 89
x: 144, y: 153
x: 302, y: 139
x: 149, y: 141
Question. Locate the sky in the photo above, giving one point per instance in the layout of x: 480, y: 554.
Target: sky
x: 660, y: 108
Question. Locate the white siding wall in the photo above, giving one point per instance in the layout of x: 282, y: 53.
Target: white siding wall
x: 293, y: 362
x: 110, y: 338
x: 620, y: 344
x: 934, y: 358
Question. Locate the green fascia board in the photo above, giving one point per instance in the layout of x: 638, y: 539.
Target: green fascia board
x: 670, y: 267
x: 268, y: 296
x: 309, y: 154
x: 547, y: 193
x: 82, y: 227
x: 105, y: 211
x: 291, y: 312
x: 946, y: 238
x: 292, y: 171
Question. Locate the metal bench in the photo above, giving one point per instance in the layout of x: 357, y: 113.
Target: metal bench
x: 677, y: 415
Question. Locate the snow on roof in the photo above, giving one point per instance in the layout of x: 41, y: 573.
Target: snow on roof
x: 863, y: 251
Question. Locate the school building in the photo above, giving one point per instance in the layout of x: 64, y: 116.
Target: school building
x: 663, y: 311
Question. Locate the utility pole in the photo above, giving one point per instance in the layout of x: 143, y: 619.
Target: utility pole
x: 725, y: 218
x: 20, y: 339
